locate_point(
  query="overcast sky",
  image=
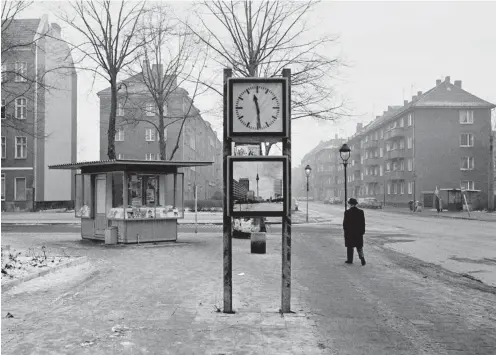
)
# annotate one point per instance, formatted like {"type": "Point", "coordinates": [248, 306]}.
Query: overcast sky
{"type": "Point", "coordinates": [392, 50]}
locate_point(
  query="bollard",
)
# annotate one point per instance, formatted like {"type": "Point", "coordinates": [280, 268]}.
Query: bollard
{"type": "Point", "coordinates": [258, 242]}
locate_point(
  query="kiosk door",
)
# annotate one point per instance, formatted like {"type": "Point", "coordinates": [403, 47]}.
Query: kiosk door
{"type": "Point", "coordinates": [100, 198]}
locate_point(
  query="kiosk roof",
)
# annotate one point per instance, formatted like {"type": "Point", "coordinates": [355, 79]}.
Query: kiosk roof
{"type": "Point", "coordinates": [129, 164]}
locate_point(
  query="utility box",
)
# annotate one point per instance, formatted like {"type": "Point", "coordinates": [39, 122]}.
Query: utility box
{"type": "Point", "coordinates": [258, 242]}
{"type": "Point", "coordinates": [111, 235]}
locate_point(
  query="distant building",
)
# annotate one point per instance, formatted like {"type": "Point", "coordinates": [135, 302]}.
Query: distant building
{"type": "Point", "coordinates": [39, 115]}
{"type": "Point", "coordinates": [245, 182]}
{"type": "Point", "coordinates": [139, 140]}
{"type": "Point", "coordinates": [277, 188]}
{"type": "Point", "coordinates": [441, 138]}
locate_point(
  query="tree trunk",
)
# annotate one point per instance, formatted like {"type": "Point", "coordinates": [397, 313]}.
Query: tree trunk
{"type": "Point", "coordinates": [111, 125]}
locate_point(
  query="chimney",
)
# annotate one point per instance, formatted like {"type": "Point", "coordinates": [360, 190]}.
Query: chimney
{"type": "Point", "coordinates": [359, 126]}
{"type": "Point", "coordinates": [458, 83]}
{"type": "Point", "coordinates": [56, 28]}
{"type": "Point", "coordinates": [405, 102]}
{"type": "Point", "coordinates": [419, 93]}
{"type": "Point", "coordinates": [447, 79]}
{"type": "Point", "coordinates": [376, 117]}
{"type": "Point", "coordinates": [414, 97]}
{"type": "Point", "coordinates": [438, 81]}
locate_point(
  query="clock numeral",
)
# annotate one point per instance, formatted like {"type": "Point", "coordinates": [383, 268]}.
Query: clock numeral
{"type": "Point", "coordinates": [266, 91]}
{"type": "Point", "coordinates": [240, 117]}
{"type": "Point", "coordinates": [267, 124]}
{"type": "Point", "coordinates": [248, 91]}
{"type": "Point", "coordinates": [273, 107]}
{"type": "Point", "coordinates": [240, 98]}
{"type": "Point", "coordinates": [257, 89]}
{"type": "Point", "coordinates": [274, 117]}
{"type": "Point", "coordinates": [274, 98]}
{"type": "Point", "coordinates": [248, 124]}
{"type": "Point", "coordinates": [240, 108]}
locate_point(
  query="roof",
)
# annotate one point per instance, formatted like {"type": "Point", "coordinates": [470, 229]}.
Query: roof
{"type": "Point", "coordinates": [20, 32]}
{"type": "Point", "coordinates": [129, 165]}
{"type": "Point", "coordinates": [135, 85]}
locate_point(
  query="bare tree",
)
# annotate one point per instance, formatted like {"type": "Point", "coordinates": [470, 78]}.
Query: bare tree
{"type": "Point", "coordinates": [261, 38]}
{"type": "Point", "coordinates": [177, 59]}
{"type": "Point", "coordinates": [109, 29]}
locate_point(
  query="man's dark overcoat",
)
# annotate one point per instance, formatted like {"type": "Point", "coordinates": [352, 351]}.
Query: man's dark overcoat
{"type": "Point", "coordinates": [354, 227]}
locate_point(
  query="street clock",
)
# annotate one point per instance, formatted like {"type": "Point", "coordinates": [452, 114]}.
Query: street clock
{"type": "Point", "coordinates": [258, 107]}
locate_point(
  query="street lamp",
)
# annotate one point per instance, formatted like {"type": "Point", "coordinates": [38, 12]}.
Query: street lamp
{"type": "Point", "coordinates": [308, 170]}
{"type": "Point", "coordinates": [345, 152]}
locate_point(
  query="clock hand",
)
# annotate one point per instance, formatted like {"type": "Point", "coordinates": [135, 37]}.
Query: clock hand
{"type": "Point", "coordinates": [259, 125]}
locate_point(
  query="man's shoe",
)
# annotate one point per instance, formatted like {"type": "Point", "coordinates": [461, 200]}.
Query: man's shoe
{"type": "Point", "coordinates": [363, 261]}
{"type": "Point", "coordinates": [348, 262]}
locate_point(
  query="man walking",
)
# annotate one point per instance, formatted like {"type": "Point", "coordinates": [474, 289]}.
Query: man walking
{"type": "Point", "coordinates": [354, 229]}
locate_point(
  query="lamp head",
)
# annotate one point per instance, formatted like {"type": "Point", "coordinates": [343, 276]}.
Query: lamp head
{"type": "Point", "coordinates": [344, 152]}
{"type": "Point", "coordinates": [308, 170]}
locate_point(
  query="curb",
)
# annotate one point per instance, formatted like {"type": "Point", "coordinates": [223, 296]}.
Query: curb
{"type": "Point", "coordinates": [443, 216]}
{"type": "Point", "coordinates": [8, 285]}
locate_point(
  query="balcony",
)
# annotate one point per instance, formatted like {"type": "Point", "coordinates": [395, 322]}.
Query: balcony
{"type": "Point", "coordinates": [373, 161]}
{"type": "Point", "coordinates": [395, 132]}
{"type": "Point", "coordinates": [372, 178]}
{"type": "Point", "coordinates": [396, 175]}
{"type": "Point", "coordinates": [394, 154]}
{"type": "Point", "coordinates": [371, 144]}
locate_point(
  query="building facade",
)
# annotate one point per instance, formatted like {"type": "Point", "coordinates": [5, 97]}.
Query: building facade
{"type": "Point", "coordinates": [187, 135]}
{"type": "Point", "coordinates": [439, 141]}
{"type": "Point", "coordinates": [39, 115]}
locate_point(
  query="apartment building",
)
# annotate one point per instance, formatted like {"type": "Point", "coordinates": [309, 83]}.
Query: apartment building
{"type": "Point", "coordinates": [326, 164]}
{"type": "Point", "coordinates": [137, 137]}
{"type": "Point", "coordinates": [437, 142]}
{"type": "Point", "coordinates": [39, 115]}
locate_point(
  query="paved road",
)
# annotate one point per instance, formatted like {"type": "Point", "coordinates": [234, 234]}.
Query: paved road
{"type": "Point", "coordinates": [394, 305]}
{"type": "Point", "coordinates": [462, 246]}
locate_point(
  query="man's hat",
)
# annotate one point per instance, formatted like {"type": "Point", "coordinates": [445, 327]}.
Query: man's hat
{"type": "Point", "coordinates": [352, 201]}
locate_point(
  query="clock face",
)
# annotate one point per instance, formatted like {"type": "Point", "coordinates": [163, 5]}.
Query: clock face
{"type": "Point", "coordinates": [257, 107]}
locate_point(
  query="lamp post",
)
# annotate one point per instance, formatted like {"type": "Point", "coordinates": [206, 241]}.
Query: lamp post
{"type": "Point", "coordinates": [345, 152]}
{"type": "Point", "coordinates": [308, 170]}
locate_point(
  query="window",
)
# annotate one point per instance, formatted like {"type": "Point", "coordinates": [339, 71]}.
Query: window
{"type": "Point", "coordinates": [410, 143]}
{"type": "Point", "coordinates": [402, 165]}
{"type": "Point", "coordinates": [21, 147]}
{"type": "Point", "coordinates": [20, 108]}
{"type": "Point", "coordinates": [3, 108]}
{"type": "Point", "coordinates": [381, 152]}
{"type": "Point", "coordinates": [402, 188]}
{"type": "Point", "coordinates": [410, 164]}
{"type": "Point", "coordinates": [3, 187]}
{"type": "Point", "coordinates": [389, 188]}
{"type": "Point", "coordinates": [410, 187]}
{"type": "Point", "coordinates": [150, 109]}
{"type": "Point", "coordinates": [150, 134]}
{"type": "Point", "coordinates": [20, 70]}
{"type": "Point", "coordinates": [381, 168]}
{"type": "Point", "coordinates": [410, 119]}
{"type": "Point", "coordinates": [402, 122]}
{"type": "Point", "coordinates": [395, 188]}
{"type": "Point", "coordinates": [468, 185]}
{"type": "Point", "coordinates": [388, 166]}
{"type": "Point", "coordinates": [402, 144]}
{"type": "Point", "coordinates": [466, 117]}
{"type": "Point", "coordinates": [466, 140]}
{"type": "Point", "coordinates": [4, 147]}
{"type": "Point", "coordinates": [388, 147]}
{"type": "Point", "coordinates": [150, 156]}
{"type": "Point", "coordinates": [382, 133]}
{"type": "Point", "coordinates": [20, 189]}
{"type": "Point", "coordinates": [467, 163]}
{"type": "Point", "coordinates": [119, 134]}
{"type": "Point", "coordinates": [120, 108]}
{"type": "Point", "coordinates": [366, 139]}
{"type": "Point", "coordinates": [120, 156]}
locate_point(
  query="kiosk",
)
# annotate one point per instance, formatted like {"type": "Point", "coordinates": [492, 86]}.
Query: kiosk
{"type": "Point", "coordinates": [140, 200]}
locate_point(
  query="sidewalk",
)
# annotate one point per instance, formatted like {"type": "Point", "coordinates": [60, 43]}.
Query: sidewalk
{"type": "Point", "coordinates": [474, 215]}
{"type": "Point", "coordinates": [157, 299]}
{"type": "Point", "coordinates": [189, 218]}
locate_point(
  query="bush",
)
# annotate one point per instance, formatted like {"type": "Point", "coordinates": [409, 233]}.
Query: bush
{"type": "Point", "coordinates": [204, 205]}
